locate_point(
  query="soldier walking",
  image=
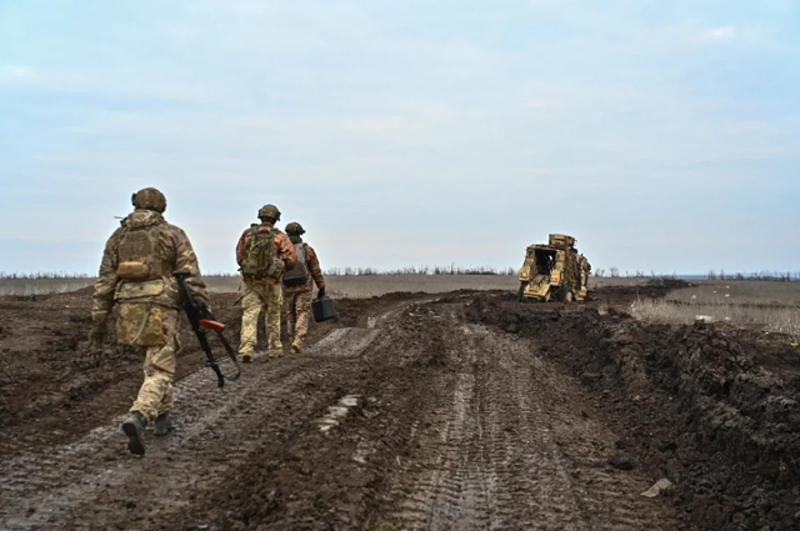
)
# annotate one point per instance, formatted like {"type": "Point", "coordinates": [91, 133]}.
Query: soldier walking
{"type": "Point", "coordinates": [263, 254]}
{"type": "Point", "coordinates": [136, 273]}
{"type": "Point", "coordinates": [297, 286]}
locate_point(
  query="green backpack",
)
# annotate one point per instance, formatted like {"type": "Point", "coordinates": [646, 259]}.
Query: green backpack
{"type": "Point", "coordinates": [260, 258]}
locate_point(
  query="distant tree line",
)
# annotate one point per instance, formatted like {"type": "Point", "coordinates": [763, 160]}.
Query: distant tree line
{"type": "Point", "coordinates": [613, 272]}
{"type": "Point", "coordinates": [764, 275]}
{"type": "Point", "coordinates": [451, 270]}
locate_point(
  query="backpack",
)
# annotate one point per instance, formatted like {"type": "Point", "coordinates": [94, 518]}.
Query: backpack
{"type": "Point", "coordinates": [298, 274]}
{"type": "Point", "coordinates": [137, 252]}
{"type": "Point", "coordinates": [260, 258]}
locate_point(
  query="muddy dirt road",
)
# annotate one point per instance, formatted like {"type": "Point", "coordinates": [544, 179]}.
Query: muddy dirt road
{"type": "Point", "coordinates": [412, 411]}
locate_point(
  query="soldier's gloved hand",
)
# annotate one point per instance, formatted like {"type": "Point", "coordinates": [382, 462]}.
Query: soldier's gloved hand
{"type": "Point", "coordinates": [203, 306]}
{"type": "Point", "coordinates": [98, 333]}
{"type": "Point", "coordinates": [321, 293]}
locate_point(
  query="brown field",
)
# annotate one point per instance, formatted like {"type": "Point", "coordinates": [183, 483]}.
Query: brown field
{"type": "Point", "coordinates": [412, 410]}
{"type": "Point", "coordinates": [341, 286]}
{"type": "Point", "coordinates": [772, 293]}
{"type": "Point", "coordinates": [337, 286]}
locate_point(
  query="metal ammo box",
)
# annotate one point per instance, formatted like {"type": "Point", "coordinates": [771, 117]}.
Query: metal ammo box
{"type": "Point", "coordinates": [323, 309]}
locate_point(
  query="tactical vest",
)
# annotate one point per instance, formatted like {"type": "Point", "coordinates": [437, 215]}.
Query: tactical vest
{"type": "Point", "coordinates": [260, 259]}
{"type": "Point", "coordinates": [298, 274]}
{"type": "Point", "coordinates": [141, 255]}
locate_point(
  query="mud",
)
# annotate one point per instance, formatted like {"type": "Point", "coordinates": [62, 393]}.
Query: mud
{"type": "Point", "coordinates": [411, 411]}
{"type": "Point", "coordinates": [712, 409]}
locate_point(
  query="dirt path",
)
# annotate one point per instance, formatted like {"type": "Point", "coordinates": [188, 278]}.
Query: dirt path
{"type": "Point", "coordinates": [507, 442]}
{"type": "Point", "coordinates": [464, 411]}
{"type": "Point", "coordinates": [94, 483]}
{"type": "Point", "coordinates": [511, 446]}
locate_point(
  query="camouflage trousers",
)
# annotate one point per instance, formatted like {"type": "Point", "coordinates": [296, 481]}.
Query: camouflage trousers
{"type": "Point", "coordinates": [155, 395]}
{"type": "Point", "coordinates": [255, 297]}
{"type": "Point", "coordinates": [296, 312]}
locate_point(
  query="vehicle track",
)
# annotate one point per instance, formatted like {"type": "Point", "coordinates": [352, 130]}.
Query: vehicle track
{"type": "Point", "coordinates": [513, 446]}
{"type": "Point", "coordinates": [95, 483]}
{"type": "Point", "coordinates": [472, 429]}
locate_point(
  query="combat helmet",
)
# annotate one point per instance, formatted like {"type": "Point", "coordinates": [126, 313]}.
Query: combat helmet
{"type": "Point", "coordinates": [149, 198]}
{"type": "Point", "coordinates": [294, 228]}
{"type": "Point", "coordinates": [269, 211]}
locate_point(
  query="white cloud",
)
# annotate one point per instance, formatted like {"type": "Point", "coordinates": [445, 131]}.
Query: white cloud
{"type": "Point", "coordinates": [722, 34]}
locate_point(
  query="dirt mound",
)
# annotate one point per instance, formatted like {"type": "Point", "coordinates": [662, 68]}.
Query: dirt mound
{"type": "Point", "coordinates": [716, 416]}
{"type": "Point", "coordinates": [669, 283]}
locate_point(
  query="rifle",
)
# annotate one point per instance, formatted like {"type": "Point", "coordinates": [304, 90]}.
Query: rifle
{"type": "Point", "coordinates": [201, 320]}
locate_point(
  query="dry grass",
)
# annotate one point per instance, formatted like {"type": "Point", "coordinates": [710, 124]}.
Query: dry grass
{"type": "Point", "coordinates": [377, 285]}
{"type": "Point", "coordinates": [337, 286]}
{"type": "Point", "coordinates": [28, 286]}
{"type": "Point", "coordinates": [781, 320]}
{"type": "Point", "coordinates": [740, 292]}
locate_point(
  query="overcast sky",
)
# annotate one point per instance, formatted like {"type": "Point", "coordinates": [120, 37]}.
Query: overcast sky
{"type": "Point", "coordinates": [663, 135]}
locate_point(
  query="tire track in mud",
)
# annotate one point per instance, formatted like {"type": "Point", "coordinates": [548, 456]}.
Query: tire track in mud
{"type": "Point", "coordinates": [510, 448]}
{"type": "Point", "coordinates": [95, 483]}
{"type": "Point", "coordinates": [471, 430]}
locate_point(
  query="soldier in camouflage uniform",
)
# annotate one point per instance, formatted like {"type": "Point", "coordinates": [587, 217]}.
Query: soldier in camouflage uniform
{"type": "Point", "coordinates": [297, 286]}
{"type": "Point", "coordinates": [586, 271]}
{"type": "Point", "coordinates": [136, 273]}
{"type": "Point", "coordinates": [260, 291]}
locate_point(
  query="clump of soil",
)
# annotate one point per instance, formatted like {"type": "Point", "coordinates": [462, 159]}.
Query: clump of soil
{"type": "Point", "coordinates": [717, 415]}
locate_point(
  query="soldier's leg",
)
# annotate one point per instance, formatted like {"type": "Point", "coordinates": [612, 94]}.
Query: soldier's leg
{"type": "Point", "coordinates": [155, 394]}
{"type": "Point", "coordinates": [288, 312]}
{"type": "Point", "coordinates": [274, 303]}
{"type": "Point", "coordinates": [303, 310]}
{"type": "Point", "coordinates": [251, 308]}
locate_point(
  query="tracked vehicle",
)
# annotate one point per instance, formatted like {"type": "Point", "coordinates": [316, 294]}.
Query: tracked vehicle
{"type": "Point", "coordinates": [555, 271]}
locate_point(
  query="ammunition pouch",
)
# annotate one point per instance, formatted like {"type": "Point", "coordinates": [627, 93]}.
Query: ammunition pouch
{"type": "Point", "coordinates": [134, 271]}
{"type": "Point", "coordinates": [277, 268]}
{"type": "Point", "coordinates": [138, 290]}
{"type": "Point", "coordinates": [141, 324]}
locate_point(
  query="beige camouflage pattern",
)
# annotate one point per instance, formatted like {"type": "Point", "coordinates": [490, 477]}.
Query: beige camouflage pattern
{"type": "Point", "coordinates": [283, 248]}
{"type": "Point", "coordinates": [148, 308]}
{"type": "Point", "coordinates": [296, 314]}
{"type": "Point", "coordinates": [142, 324]}
{"type": "Point", "coordinates": [155, 395]}
{"type": "Point", "coordinates": [586, 270]}
{"type": "Point", "coordinates": [297, 300]}
{"type": "Point", "coordinates": [150, 198]}
{"type": "Point", "coordinates": [254, 297]}
{"type": "Point", "coordinates": [173, 252]}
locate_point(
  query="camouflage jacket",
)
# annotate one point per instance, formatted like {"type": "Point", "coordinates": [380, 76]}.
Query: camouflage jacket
{"type": "Point", "coordinates": [283, 247]}
{"type": "Point", "coordinates": [173, 251]}
{"type": "Point", "coordinates": [314, 270]}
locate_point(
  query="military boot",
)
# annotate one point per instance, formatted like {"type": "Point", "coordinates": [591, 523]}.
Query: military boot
{"type": "Point", "coordinates": [134, 429]}
{"type": "Point", "coordinates": [163, 425]}
{"type": "Point", "coordinates": [247, 357]}
{"type": "Point", "coordinates": [276, 351]}
{"type": "Point", "coordinates": [297, 346]}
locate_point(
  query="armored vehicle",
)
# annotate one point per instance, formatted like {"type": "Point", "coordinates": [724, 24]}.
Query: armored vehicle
{"type": "Point", "coordinates": [554, 271]}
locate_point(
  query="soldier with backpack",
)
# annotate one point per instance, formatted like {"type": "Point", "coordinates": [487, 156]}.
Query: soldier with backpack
{"type": "Point", "coordinates": [297, 286]}
{"type": "Point", "coordinates": [263, 254]}
{"type": "Point", "coordinates": [136, 274]}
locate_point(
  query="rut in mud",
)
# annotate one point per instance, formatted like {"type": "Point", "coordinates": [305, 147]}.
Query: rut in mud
{"type": "Point", "coordinates": [464, 411]}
